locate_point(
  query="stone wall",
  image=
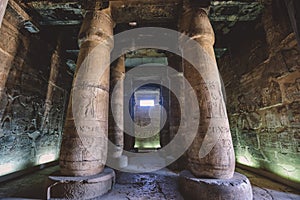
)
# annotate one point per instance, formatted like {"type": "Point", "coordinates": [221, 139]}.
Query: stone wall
{"type": "Point", "coordinates": [33, 90]}
{"type": "Point", "coordinates": [261, 73]}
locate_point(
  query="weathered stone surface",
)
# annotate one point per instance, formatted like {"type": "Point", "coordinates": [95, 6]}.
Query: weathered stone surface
{"type": "Point", "coordinates": [162, 185]}
{"type": "Point", "coordinates": [176, 104]}
{"type": "Point", "coordinates": [211, 153]}
{"type": "Point", "coordinates": [120, 162]}
{"type": "Point", "coordinates": [236, 188]}
{"type": "Point", "coordinates": [83, 187]}
{"type": "Point", "coordinates": [84, 144]}
{"type": "Point", "coordinates": [116, 118]}
{"type": "Point", "coordinates": [264, 108]}
{"type": "Point", "coordinates": [33, 91]}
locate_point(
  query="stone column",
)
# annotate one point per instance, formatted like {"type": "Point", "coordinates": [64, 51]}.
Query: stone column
{"type": "Point", "coordinates": [215, 159]}
{"type": "Point", "coordinates": [211, 154]}
{"type": "Point", "coordinates": [116, 125]}
{"type": "Point", "coordinates": [84, 142]}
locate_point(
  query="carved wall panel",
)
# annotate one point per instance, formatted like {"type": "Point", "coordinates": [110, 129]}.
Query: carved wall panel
{"type": "Point", "coordinates": [30, 119]}
{"type": "Point", "coordinates": [264, 110]}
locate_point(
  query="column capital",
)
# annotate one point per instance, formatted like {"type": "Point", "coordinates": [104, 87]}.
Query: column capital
{"type": "Point", "coordinates": [194, 23]}
{"type": "Point", "coordinates": [90, 5]}
{"type": "Point", "coordinates": [189, 5]}
{"type": "Point", "coordinates": [97, 26]}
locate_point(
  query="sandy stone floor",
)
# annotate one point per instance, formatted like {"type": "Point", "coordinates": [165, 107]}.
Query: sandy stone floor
{"type": "Point", "coordinates": [158, 185]}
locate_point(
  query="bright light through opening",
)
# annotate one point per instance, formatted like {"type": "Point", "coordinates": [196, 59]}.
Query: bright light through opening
{"type": "Point", "coordinates": [148, 102]}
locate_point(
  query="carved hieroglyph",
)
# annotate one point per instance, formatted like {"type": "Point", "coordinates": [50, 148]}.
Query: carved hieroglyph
{"type": "Point", "coordinates": [84, 142]}
{"type": "Point", "coordinates": [116, 120]}
{"type": "Point", "coordinates": [216, 157]}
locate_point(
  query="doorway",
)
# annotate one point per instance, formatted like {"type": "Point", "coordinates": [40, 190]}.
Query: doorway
{"type": "Point", "coordinates": [147, 117]}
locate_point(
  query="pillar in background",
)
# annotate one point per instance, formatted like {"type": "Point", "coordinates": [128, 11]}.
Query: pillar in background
{"type": "Point", "coordinates": [175, 104]}
{"type": "Point", "coordinates": [84, 144]}
{"type": "Point", "coordinates": [116, 121]}
{"type": "Point", "coordinates": [165, 129]}
{"type": "Point", "coordinates": [175, 62]}
{"type": "Point", "coordinates": [217, 160]}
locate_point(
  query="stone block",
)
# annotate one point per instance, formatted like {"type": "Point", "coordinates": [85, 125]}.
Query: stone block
{"type": "Point", "coordinates": [80, 187]}
{"type": "Point", "coordinates": [236, 188]}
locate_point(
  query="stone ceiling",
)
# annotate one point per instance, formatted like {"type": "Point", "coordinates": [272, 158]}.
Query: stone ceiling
{"type": "Point", "coordinates": [224, 15]}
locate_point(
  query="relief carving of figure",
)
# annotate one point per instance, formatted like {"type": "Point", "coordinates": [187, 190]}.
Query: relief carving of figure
{"type": "Point", "coordinates": [297, 89]}
{"type": "Point", "coordinates": [243, 122]}
{"type": "Point", "coordinates": [36, 114]}
{"type": "Point", "coordinates": [293, 90]}
{"type": "Point", "coordinates": [56, 118]}
{"type": "Point", "coordinates": [275, 93]}
{"type": "Point", "coordinates": [271, 95]}
{"type": "Point", "coordinates": [295, 114]}
{"type": "Point", "coordinates": [88, 108]}
{"type": "Point", "coordinates": [214, 103]}
{"type": "Point", "coordinates": [12, 95]}
{"type": "Point", "coordinates": [217, 104]}
{"type": "Point", "coordinates": [271, 120]}
{"type": "Point", "coordinates": [265, 97]}
{"type": "Point", "coordinates": [248, 117]}
{"type": "Point", "coordinates": [284, 117]}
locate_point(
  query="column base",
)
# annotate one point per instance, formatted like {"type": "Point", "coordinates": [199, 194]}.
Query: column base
{"type": "Point", "coordinates": [236, 188]}
{"type": "Point", "coordinates": [80, 187]}
{"type": "Point", "coordinates": [178, 165]}
{"type": "Point", "coordinates": [121, 162]}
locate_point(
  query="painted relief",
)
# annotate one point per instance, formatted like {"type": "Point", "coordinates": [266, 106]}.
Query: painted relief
{"type": "Point", "coordinates": [12, 96]}
{"type": "Point", "coordinates": [265, 123]}
{"type": "Point", "coordinates": [248, 116]}
{"type": "Point", "coordinates": [293, 90]}
{"type": "Point", "coordinates": [295, 114]}
{"type": "Point", "coordinates": [28, 131]}
{"type": "Point", "coordinates": [271, 94]}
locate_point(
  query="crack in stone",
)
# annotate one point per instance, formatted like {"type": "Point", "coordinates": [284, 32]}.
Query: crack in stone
{"type": "Point", "coordinates": [160, 190]}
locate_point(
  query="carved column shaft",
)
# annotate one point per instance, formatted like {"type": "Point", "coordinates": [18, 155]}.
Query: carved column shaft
{"type": "Point", "coordinates": [215, 158]}
{"type": "Point", "coordinates": [116, 120]}
{"type": "Point", "coordinates": [84, 142]}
